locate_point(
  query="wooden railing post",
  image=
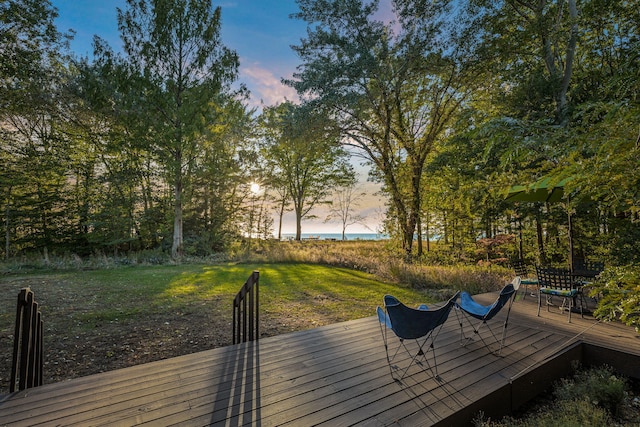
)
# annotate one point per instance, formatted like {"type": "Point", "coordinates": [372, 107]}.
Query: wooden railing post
{"type": "Point", "coordinates": [28, 352]}
{"type": "Point", "coordinates": [246, 317]}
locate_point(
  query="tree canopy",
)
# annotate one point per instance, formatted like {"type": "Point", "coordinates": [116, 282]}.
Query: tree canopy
{"type": "Point", "coordinates": [302, 155]}
{"type": "Point", "coordinates": [174, 50]}
{"type": "Point", "coordinates": [153, 147]}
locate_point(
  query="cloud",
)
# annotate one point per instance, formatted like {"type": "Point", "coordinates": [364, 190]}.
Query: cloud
{"type": "Point", "coordinates": [387, 15]}
{"type": "Point", "coordinates": [265, 86]}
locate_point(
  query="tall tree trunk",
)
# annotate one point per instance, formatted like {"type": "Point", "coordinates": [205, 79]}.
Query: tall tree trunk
{"type": "Point", "coordinates": [419, 228]}
{"type": "Point", "coordinates": [520, 244]}
{"type": "Point", "coordinates": [298, 225]}
{"type": "Point", "coordinates": [177, 247]}
{"type": "Point", "coordinates": [7, 225]}
{"type": "Point", "coordinates": [549, 57]}
{"type": "Point", "coordinates": [280, 215]}
{"type": "Point", "coordinates": [428, 233]}
{"type": "Point", "coordinates": [568, 69]}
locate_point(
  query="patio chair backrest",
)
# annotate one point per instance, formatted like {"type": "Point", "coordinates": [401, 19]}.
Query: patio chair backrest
{"type": "Point", "coordinates": [587, 268]}
{"type": "Point", "coordinates": [555, 278]}
{"type": "Point", "coordinates": [409, 323]}
{"type": "Point", "coordinates": [520, 268]}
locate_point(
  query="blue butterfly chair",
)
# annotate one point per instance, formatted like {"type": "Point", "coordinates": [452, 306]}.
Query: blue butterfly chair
{"type": "Point", "coordinates": [416, 331]}
{"type": "Point", "coordinates": [485, 313]}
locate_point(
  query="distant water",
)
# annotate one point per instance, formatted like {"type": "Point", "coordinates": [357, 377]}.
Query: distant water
{"type": "Point", "coordinates": [336, 236]}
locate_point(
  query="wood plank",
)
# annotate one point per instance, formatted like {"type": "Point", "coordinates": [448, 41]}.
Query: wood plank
{"type": "Point", "coordinates": [332, 375]}
{"type": "Point", "coordinates": [150, 377]}
{"type": "Point", "coordinates": [459, 377]}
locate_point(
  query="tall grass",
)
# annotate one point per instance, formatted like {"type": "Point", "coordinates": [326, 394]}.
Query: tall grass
{"type": "Point", "coordinates": [386, 262]}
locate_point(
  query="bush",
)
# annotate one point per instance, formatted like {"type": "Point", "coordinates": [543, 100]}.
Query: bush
{"type": "Point", "coordinates": [567, 413]}
{"type": "Point", "coordinates": [618, 293]}
{"type": "Point", "coordinates": [598, 386]}
{"type": "Point", "coordinates": [592, 397]}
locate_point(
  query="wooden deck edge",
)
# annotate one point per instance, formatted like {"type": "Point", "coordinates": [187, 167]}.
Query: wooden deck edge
{"type": "Point", "coordinates": [622, 362]}
{"type": "Point", "coordinates": [523, 388]}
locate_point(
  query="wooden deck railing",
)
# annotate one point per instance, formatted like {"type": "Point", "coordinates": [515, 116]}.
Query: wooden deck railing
{"type": "Point", "coordinates": [245, 311]}
{"type": "Point", "coordinates": [26, 368]}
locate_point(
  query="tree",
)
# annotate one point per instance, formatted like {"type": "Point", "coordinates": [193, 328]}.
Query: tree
{"type": "Point", "coordinates": [394, 95]}
{"type": "Point", "coordinates": [28, 37]}
{"type": "Point", "coordinates": [568, 105]}
{"type": "Point", "coordinates": [301, 151]}
{"type": "Point", "coordinates": [344, 201]}
{"type": "Point", "coordinates": [220, 173]}
{"type": "Point", "coordinates": [280, 199]}
{"type": "Point", "coordinates": [174, 49]}
{"type": "Point", "coordinates": [126, 213]}
{"type": "Point", "coordinates": [34, 153]}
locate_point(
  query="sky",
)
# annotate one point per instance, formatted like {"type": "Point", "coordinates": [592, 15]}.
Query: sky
{"type": "Point", "coordinates": [261, 32]}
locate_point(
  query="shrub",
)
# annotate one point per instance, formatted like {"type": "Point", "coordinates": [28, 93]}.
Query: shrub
{"type": "Point", "coordinates": [592, 397]}
{"type": "Point", "coordinates": [567, 413]}
{"type": "Point", "coordinates": [618, 293]}
{"type": "Point", "coordinates": [598, 386]}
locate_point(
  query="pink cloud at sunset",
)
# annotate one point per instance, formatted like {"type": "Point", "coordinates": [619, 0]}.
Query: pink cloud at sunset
{"type": "Point", "coordinates": [266, 88]}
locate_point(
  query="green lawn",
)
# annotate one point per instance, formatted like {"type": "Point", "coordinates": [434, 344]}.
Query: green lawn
{"type": "Point", "coordinates": [129, 293]}
{"type": "Point", "coordinates": [98, 320]}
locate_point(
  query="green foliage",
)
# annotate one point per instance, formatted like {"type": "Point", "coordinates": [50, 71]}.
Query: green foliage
{"type": "Point", "coordinates": [34, 152]}
{"type": "Point", "coordinates": [570, 413]}
{"type": "Point", "coordinates": [593, 397]}
{"type": "Point", "coordinates": [178, 69]}
{"type": "Point", "coordinates": [112, 156]}
{"type": "Point", "coordinates": [394, 88]}
{"type": "Point", "coordinates": [618, 292]}
{"type": "Point", "coordinates": [302, 155]}
{"type": "Point", "coordinates": [598, 386]}
{"type": "Point", "coordinates": [29, 38]}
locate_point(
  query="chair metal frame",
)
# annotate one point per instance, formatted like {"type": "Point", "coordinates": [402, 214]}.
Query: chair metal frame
{"type": "Point", "coordinates": [484, 313]}
{"type": "Point", "coordinates": [416, 331]}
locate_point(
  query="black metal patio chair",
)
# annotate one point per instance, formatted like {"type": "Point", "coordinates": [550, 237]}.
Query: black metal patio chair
{"type": "Point", "coordinates": [558, 282]}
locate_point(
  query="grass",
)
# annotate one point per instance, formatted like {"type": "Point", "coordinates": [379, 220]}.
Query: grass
{"type": "Point", "coordinates": [131, 292]}
{"type": "Point", "coordinates": [134, 291]}
{"type": "Point", "coordinates": [106, 313]}
{"type": "Point", "coordinates": [386, 262]}
{"type": "Point", "coordinates": [105, 319]}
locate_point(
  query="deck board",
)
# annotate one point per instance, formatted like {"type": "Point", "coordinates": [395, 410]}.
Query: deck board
{"type": "Point", "coordinates": [333, 375]}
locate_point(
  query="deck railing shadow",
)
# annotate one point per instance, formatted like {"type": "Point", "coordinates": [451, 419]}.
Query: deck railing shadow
{"type": "Point", "coordinates": [241, 371]}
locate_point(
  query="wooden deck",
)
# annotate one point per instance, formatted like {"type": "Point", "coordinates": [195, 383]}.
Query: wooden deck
{"type": "Point", "coordinates": [334, 375]}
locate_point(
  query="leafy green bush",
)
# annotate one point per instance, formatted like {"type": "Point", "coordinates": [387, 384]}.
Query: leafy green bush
{"type": "Point", "coordinates": [618, 292]}
{"type": "Point", "coordinates": [567, 413]}
{"type": "Point", "coordinates": [599, 386]}
{"type": "Point", "coordinates": [592, 397]}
